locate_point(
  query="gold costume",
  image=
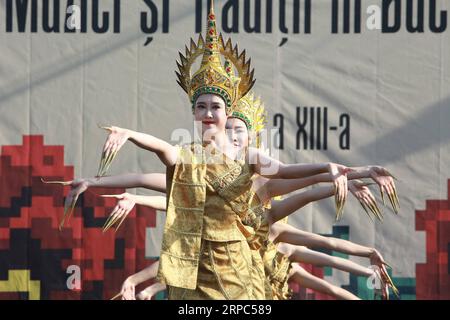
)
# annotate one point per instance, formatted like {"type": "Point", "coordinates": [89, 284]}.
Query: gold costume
{"type": "Point", "coordinates": [211, 209]}
{"type": "Point", "coordinates": [276, 267]}
{"type": "Point", "coordinates": [205, 254]}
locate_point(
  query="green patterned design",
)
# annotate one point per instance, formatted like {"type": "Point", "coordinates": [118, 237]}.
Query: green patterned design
{"type": "Point", "coordinates": [212, 90]}
{"type": "Point", "coordinates": [244, 118]}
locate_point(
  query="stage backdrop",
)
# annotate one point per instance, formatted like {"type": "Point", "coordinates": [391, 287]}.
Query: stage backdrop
{"type": "Point", "coordinates": [348, 81]}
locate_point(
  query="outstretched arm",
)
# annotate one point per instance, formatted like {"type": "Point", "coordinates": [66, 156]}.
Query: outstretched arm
{"type": "Point", "coordinates": [307, 280]}
{"type": "Point", "coordinates": [293, 242]}
{"type": "Point", "coordinates": [383, 178]}
{"type": "Point", "coordinates": [165, 151]}
{"type": "Point", "coordinates": [281, 209]}
{"type": "Point", "coordinates": [285, 207]}
{"type": "Point", "coordinates": [155, 202]}
{"type": "Point", "coordinates": [152, 181]}
{"type": "Point", "coordinates": [126, 204]}
{"type": "Point", "coordinates": [305, 255]}
{"type": "Point", "coordinates": [278, 187]}
{"type": "Point", "coordinates": [129, 285]}
{"type": "Point", "coordinates": [283, 232]}
{"type": "Point", "coordinates": [117, 138]}
{"type": "Point", "coordinates": [267, 166]}
{"type": "Point", "coordinates": [149, 292]}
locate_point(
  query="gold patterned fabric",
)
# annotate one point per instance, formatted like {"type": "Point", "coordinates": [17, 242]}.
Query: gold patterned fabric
{"type": "Point", "coordinates": [227, 270]}
{"type": "Point", "coordinates": [180, 249]}
{"type": "Point", "coordinates": [276, 265]}
{"type": "Point", "coordinates": [205, 254]}
{"type": "Point", "coordinates": [230, 197]}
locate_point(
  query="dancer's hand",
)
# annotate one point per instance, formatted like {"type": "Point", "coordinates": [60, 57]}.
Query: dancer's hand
{"type": "Point", "coordinates": [149, 292]}
{"type": "Point", "coordinates": [78, 186]}
{"type": "Point", "coordinates": [382, 290]}
{"type": "Point", "coordinates": [380, 270]}
{"type": "Point", "coordinates": [339, 176]}
{"type": "Point", "coordinates": [376, 259]}
{"type": "Point", "coordinates": [128, 289]}
{"type": "Point", "coordinates": [115, 140]}
{"type": "Point", "coordinates": [385, 181]}
{"type": "Point", "coordinates": [359, 189]}
{"type": "Point", "coordinates": [123, 207]}
{"type": "Point", "coordinates": [146, 294]}
{"type": "Point", "coordinates": [385, 282]}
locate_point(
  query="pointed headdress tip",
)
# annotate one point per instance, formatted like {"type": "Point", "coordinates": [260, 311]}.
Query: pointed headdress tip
{"type": "Point", "coordinates": [213, 77]}
{"type": "Point", "coordinates": [211, 9]}
{"type": "Point", "coordinates": [251, 110]}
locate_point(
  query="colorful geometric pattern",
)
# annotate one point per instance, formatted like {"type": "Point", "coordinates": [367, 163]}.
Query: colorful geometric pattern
{"type": "Point", "coordinates": [35, 255]}
{"type": "Point", "coordinates": [358, 284]}
{"type": "Point", "coordinates": [406, 286]}
{"type": "Point", "coordinates": [19, 282]}
{"type": "Point", "coordinates": [433, 276]}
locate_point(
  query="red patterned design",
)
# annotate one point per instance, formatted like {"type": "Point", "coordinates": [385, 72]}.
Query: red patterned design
{"type": "Point", "coordinates": [433, 276]}
{"type": "Point", "coordinates": [30, 212]}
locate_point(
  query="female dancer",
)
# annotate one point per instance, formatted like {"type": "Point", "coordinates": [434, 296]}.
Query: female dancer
{"type": "Point", "coordinates": [205, 253]}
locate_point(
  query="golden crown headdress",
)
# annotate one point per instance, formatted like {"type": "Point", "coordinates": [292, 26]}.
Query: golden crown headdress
{"type": "Point", "coordinates": [212, 77]}
{"type": "Point", "coordinates": [250, 109]}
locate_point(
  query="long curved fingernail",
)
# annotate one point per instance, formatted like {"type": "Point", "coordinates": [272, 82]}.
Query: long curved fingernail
{"type": "Point", "coordinates": [102, 161]}
{"type": "Point", "coordinates": [382, 196]}
{"type": "Point", "coordinates": [64, 183]}
{"type": "Point", "coordinates": [110, 159]}
{"type": "Point", "coordinates": [374, 211]}
{"type": "Point", "coordinates": [396, 197]}
{"type": "Point", "coordinates": [121, 221]}
{"type": "Point", "coordinates": [105, 224]}
{"type": "Point", "coordinates": [109, 222]}
{"type": "Point", "coordinates": [116, 296]}
{"type": "Point", "coordinates": [365, 209]}
{"type": "Point", "coordinates": [391, 199]}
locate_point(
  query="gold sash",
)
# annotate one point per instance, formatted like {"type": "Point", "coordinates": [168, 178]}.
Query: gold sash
{"type": "Point", "coordinates": [211, 201]}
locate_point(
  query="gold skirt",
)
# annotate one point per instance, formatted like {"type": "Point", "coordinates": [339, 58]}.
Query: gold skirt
{"type": "Point", "coordinates": [277, 287]}
{"type": "Point", "coordinates": [227, 271]}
